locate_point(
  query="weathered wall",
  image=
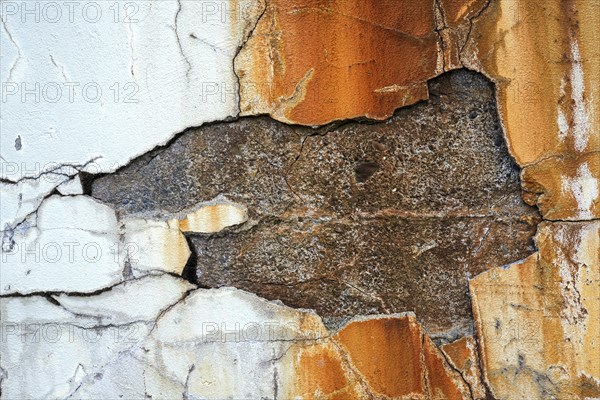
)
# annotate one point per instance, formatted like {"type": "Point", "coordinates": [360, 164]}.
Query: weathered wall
{"type": "Point", "coordinates": [373, 223]}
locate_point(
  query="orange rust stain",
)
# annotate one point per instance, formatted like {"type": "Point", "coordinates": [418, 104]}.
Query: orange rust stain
{"type": "Point", "coordinates": [443, 383]}
{"type": "Point", "coordinates": [387, 352]}
{"type": "Point", "coordinates": [364, 58]}
{"type": "Point", "coordinates": [396, 358]}
{"type": "Point", "coordinates": [541, 56]}
{"type": "Point", "coordinates": [319, 373]}
{"type": "Point", "coordinates": [462, 354]}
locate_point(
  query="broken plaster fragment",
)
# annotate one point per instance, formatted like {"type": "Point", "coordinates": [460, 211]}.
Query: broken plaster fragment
{"type": "Point", "coordinates": [214, 217]}
{"type": "Point", "coordinates": [71, 187]}
{"type": "Point", "coordinates": [312, 64]}
{"type": "Point", "coordinates": [78, 245]}
{"type": "Point", "coordinates": [154, 247]}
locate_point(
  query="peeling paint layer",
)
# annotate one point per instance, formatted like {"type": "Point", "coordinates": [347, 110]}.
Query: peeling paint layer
{"type": "Point", "coordinates": [315, 63]}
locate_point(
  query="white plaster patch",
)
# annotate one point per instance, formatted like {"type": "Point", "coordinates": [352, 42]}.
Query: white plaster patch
{"type": "Point", "coordinates": [563, 126]}
{"type": "Point", "coordinates": [74, 247]}
{"type": "Point", "coordinates": [584, 187]}
{"type": "Point", "coordinates": [138, 340]}
{"type": "Point", "coordinates": [581, 109]}
{"type": "Point", "coordinates": [111, 80]}
{"type": "Point", "coordinates": [154, 246]}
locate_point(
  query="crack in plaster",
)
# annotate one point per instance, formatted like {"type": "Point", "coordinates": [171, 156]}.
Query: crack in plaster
{"type": "Point", "coordinates": [19, 55]}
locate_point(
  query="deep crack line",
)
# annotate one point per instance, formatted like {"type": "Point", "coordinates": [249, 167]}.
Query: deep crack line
{"type": "Point", "coordinates": [237, 53]}
{"type": "Point", "coordinates": [19, 55]}
{"type": "Point", "coordinates": [178, 38]}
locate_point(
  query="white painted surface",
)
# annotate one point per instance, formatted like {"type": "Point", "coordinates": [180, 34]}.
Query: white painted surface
{"type": "Point", "coordinates": [77, 244]}
{"type": "Point", "coordinates": [137, 340]}
{"type": "Point", "coordinates": [73, 247]}
{"type": "Point", "coordinates": [103, 82]}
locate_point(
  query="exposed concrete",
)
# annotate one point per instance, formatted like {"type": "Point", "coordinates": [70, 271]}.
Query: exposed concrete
{"type": "Point", "coordinates": [351, 218]}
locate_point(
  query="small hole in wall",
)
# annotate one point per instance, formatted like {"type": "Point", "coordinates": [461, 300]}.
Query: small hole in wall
{"type": "Point", "coordinates": [189, 271]}
{"type": "Point", "coordinates": [87, 180]}
{"type": "Point", "coordinates": [364, 170]}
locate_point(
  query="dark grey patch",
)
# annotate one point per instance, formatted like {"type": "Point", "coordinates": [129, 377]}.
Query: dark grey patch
{"type": "Point", "coordinates": [365, 169]}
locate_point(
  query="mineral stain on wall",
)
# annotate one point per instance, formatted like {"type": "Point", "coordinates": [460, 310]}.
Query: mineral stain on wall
{"type": "Point", "coordinates": [351, 218]}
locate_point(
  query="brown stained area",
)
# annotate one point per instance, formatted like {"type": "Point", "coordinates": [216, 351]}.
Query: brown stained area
{"type": "Point", "coordinates": [387, 353]}
{"type": "Point", "coordinates": [364, 58]}
{"type": "Point", "coordinates": [311, 63]}
{"type": "Point", "coordinates": [350, 219]}
{"type": "Point", "coordinates": [395, 358]}
{"type": "Point", "coordinates": [537, 319]}
{"type": "Point", "coordinates": [319, 373]}
{"type": "Point", "coordinates": [462, 356]}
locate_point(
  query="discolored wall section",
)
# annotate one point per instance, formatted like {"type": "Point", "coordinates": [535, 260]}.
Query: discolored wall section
{"type": "Point", "coordinates": [352, 218]}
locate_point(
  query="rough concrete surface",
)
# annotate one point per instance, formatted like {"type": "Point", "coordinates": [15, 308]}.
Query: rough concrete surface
{"type": "Point", "coordinates": [353, 218]}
